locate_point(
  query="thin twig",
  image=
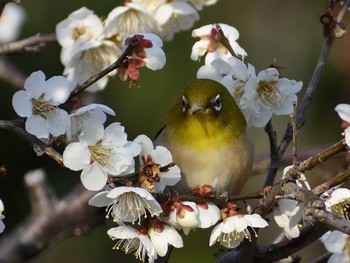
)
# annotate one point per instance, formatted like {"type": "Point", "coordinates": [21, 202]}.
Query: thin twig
{"type": "Point", "coordinates": [32, 44]}
{"type": "Point", "coordinates": [309, 94]}
{"type": "Point", "coordinates": [295, 134]}
{"type": "Point", "coordinates": [34, 141]}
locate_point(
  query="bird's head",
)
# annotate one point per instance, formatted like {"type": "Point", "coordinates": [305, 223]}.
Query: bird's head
{"type": "Point", "coordinates": [209, 104]}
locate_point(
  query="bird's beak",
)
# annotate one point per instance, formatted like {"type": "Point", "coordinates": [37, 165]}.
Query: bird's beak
{"type": "Point", "coordinates": [195, 108]}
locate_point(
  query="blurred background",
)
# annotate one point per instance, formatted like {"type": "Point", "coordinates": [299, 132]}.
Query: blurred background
{"type": "Point", "coordinates": [289, 31]}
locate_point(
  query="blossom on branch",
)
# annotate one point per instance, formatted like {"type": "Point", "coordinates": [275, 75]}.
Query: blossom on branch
{"type": "Point", "coordinates": [135, 241]}
{"type": "Point", "coordinates": [267, 94]}
{"type": "Point", "coordinates": [189, 215]}
{"type": "Point", "coordinates": [174, 16]}
{"type": "Point", "coordinates": [128, 19]}
{"type": "Point", "coordinates": [39, 101]}
{"type": "Point", "coordinates": [338, 202]}
{"type": "Point", "coordinates": [127, 204]}
{"type": "Point", "coordinates": [101, 152]}
{"type": "Point", "coordinates": [80, 114]}
{"type": "Point", "coordinates": [287, 214]}
{"type": "Point", "coordinates": [162, 235]}
{"type": "Point", "coordinates": [210, 43]}
{"type": "Point", "coordinates": [159, 156]}
{"type": "Point", "coordinates": [343, 111]}
{"type": "Point", "coordinates": [84, 51]}
{"type": "Point", "coordinates": [148, 53]}
{"type": "Point", "coordinates": [337, 243]}
{"type": "Point", "coordinates": [231, 232]}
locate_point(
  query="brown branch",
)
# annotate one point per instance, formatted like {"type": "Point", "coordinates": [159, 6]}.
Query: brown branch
{"type": "Point", "coordinates": [306, 102]}
{"type": "Point", "coordinates": [34, 141]}
{"type": "Point", "coordinates": [69, 216]}
{"type": "Point", "coordinates": [31, 44]}
{"type": "Point", "coordinates": [340, 178]}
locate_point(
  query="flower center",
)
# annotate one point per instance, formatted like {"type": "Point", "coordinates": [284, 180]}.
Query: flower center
{"type": "Point", "coordinates": [42, 107]}
{"type": "Point", "coordinates": [100, 154]}
{"type": "Point", "coordinates": [342, 209]}
{"type": "Point", "coordinates": [129, 207]}
{"type": "Point", "coordinates": [268, 92]}
{"type": "Point", "coordinates": [77, 32]}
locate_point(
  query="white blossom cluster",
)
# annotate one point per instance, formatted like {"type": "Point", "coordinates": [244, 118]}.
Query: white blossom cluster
{"type": "Point", "coordinates": [146, 225]}
{"type": "Point", "coordinates": [259, 96]}
{"type": "Point", "coordinates": [90, 44]}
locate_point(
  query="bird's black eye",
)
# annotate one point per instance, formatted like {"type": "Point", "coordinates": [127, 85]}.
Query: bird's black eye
{"type": "Point", "coordinates": [217, 105]}
{"type": "Point", "coordinates": [185, 104]}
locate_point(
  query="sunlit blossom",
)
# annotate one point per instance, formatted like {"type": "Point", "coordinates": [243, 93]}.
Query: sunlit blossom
{"type": "Point", "coordinates": [162, 235]}
{"type": "Point", "coordinates": [101, 152]}
{"type": "Point", "coordinates": [210, 43]}
{"type": "Point", "coordinates": [78, 28]}
{"type": "Point", "coordinates": [127, 204]}
{"type": "Point", "coordinates": [344, 112]}
{"type": "Point", "coordinates": [267, 94]}
{"type": "Point", "coordinates": [129, 19]}
{"type": "Point", "coordinates": [133, 241]}
{"type": "Point", "coordinates": [80, 114]}
{"type": "Point", "coordinates": [231, 232]}
{"type": "Point", "coordinates": [39, 101]}
{"type": "Point", "coordinates": [338, 202]}
{"type": "Point", "coordinates": [337, 243]}
{"type": "Point", "coordinates": [174, 16]}
{"type": "Point", "coordinates": [189, 215]}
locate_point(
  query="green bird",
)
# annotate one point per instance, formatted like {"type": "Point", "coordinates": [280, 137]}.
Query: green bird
{"type": "Point", "coordinates": [207, 136]}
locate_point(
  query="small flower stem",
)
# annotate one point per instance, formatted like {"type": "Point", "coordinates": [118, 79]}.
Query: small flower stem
{"type": "Point", "coordinates": [117, 64]}
{"type": "Point", "coordinates": [340, 178]}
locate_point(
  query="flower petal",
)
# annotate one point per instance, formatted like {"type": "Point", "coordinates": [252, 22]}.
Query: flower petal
{"type": "Point", "coordinates": [93, 177]}
{"type": "Point", "coordinates": [76, 156]}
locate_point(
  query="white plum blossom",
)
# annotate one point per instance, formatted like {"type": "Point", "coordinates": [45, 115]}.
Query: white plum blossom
{"type": "Point", "coordinates": [287, 214]}
{"type": "Point", "coordinates": [188, 215]}
{"type": "Point", "coordinates": [338, 202]}
{"type": "Point", "coordinates": [78, 117]}
{"type": "Point", "coordinates": [162, 235]}
{"type": "Point", "coordinates": [337, 243]}
{"type": "Point", "coordinates": [89, 59]}
{"type": "Point", "coordinates": [129, 19]}
{"type": "Point", "coordinates": [135, 241]}
{"type": "Point", "coordinates": [101, 152]}
{"type": "Point", "coordinates": [174, 16]}
{"type": "Point", "coordinates": [78, 28]}
{"type": "Point", "coordinates": [149, 53]}
{"type": "Point", "coordinates": [267, 94]}
{"type": "Point", "coordinates": [343, 111]}
{"type": "Point", "coordinates": [39, 101]}
{"type": "Point", "coordinates": [210, 43]}
{"type": "Point", "coordinates": [161, 156]}
{"type": "Point", "coordinates": [198, 4]}
{"type": "Point", "coordinates": [2, 225]}
{"type": "Point", "coordinates": [127, 204]}
{"type": "Point", "coordinates": [11, 20]}
{"type": "Point", "coordinates": [231, 232]}
{"type": "Point", "coordinates": [84, 52]}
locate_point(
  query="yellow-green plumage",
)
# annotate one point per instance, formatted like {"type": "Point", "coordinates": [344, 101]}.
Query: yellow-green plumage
{"type": "Point", "coordinates": [206, 133]}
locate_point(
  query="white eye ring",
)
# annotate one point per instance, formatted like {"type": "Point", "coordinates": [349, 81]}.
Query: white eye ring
{"type": "Point", "coordinates": [184, 104]}
{"type": "Point", "coordinates": [217, 103]}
